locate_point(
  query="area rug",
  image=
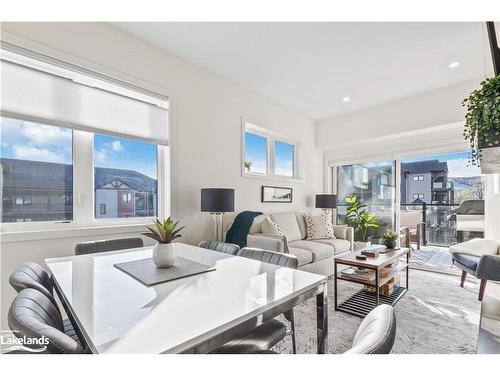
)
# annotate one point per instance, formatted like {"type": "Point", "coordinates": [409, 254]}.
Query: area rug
{"type": "Point", "coordinates": [435, 316]}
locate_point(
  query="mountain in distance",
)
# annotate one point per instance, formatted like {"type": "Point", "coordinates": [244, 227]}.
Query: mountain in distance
{"type": "Point", "coordinates": [463, 183]}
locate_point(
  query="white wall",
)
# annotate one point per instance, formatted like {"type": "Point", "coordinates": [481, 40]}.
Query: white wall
{"type": "Point", "coordinates": [205, 120]}
{"type": "Point", "coordinates": [419, 112]}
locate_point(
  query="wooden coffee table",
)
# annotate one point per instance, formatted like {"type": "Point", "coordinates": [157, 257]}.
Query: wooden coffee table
{"type": "Point", "coordinates": [361, 303]}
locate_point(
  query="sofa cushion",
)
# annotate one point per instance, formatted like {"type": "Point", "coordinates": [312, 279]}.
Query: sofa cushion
{"type": "Point", "coordinates": [319, 250]}
{"type": "Point", "coordinates": [319, 226]}
{"type": "Point", "coordinates": [256, 225]}
{"type": "Point", "coordinates": [288, 224]}
{"type": "Point", "coordinates": [270, 227]}
{"type": "Point", "coordinates": [303, 256]}
{"type": "Point", "coordinates": [301, 220]}
{"type": "Point", "coordinates": [469, 261]}
{"type": "Point", "coordinates": [341, 246]}
{"type": "Point", "coordinates": [340, 231]}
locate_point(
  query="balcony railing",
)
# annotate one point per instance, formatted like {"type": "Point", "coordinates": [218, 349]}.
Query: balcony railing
{"type": "Point", "coordinates": [439, 229]}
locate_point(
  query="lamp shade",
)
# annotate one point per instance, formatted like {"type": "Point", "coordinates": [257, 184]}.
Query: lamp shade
{"type": "Point", "coordinates": [326, 201]}
{"type": "Point", "coordinates": [217, 200]}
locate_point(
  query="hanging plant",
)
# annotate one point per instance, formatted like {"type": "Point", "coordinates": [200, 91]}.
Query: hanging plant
{"type": "Point", "coordinates": [482, 120]}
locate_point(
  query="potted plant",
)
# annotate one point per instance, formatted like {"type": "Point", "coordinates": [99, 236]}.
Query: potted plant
{"type": "Point", "coordinates": [248, 165]}
{"type": "Point", "coordinates": [482, 125]}
{"type": "Point", "coordinates": [164, 232]}
{"type": "Point", "coordinates": [390, 239]}
{"type": "Point", "coordinates": [359, 218]}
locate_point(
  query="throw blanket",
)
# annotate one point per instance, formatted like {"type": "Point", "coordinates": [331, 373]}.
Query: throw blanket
{"type": "Point", "coordinates": [238, 232]}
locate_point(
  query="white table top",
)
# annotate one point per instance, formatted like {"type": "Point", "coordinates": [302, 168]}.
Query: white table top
{"type": "Point", "coordinates": [118, 314]}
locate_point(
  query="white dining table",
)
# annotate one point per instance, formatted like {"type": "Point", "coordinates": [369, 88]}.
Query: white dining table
{"type": "Point", "coordinates": [113, 312]}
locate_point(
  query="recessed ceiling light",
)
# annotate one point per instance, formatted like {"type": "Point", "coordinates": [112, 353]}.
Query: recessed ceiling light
{"type": "Point", "coordinates": [454, 64]}
{"type": "Point", "coordinates": [346, 99]}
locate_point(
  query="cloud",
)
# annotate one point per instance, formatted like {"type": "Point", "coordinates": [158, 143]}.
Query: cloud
{"type": "Point", "coordinates": [116, 146]}
{"type": "Point", "coordinates": [461, 168]}
{"type": "Point", "coordinates": [284, 167]}
{"type": "Point", "coordinates": [37, 154]}
{"type": "Point", "coordinates": [46, 134]}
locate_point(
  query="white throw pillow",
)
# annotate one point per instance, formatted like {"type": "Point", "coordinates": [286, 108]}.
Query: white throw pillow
{"type": "Point", "coordinates": [288, 225]}
{"type": "Point", "coordinates": [270, 227]}
{"type": "Point", "coordinates": [256, 225]}
{"type": "Point", "coordinates": [319, 226]}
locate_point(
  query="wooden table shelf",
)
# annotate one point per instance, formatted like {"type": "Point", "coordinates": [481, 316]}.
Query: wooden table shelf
{"type": "Point", "coordinates": [362, 302]}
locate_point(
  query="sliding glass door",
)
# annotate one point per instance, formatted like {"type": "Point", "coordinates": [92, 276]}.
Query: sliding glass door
{"type": "Point", "coordinates": [373, 184]}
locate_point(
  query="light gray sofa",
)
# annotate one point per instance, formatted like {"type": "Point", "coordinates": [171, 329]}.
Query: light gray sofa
{"type": "Point", "coordinates": [313, 255]}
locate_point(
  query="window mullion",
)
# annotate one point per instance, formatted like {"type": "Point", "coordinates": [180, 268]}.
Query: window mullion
{"type": "Point", "coordinates": [83, 178]}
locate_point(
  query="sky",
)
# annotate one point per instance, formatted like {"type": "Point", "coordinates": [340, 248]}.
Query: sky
{"type": "Point", "coordinates": [256, 152]}
{"type": "Point", "coordinates": [31, 141]}
{"type": "Point", "coordinates": [458, 165]}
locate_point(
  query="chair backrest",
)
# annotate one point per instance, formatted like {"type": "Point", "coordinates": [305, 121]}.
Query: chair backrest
{"type": "Point", "coordinates": [376, 333]}
{"type": "Point", "coordinates": [410, 219]}
{"type": "Point", "coordinates": [107, 245]}
{"type": "Point", "coordinates": [272, 257]}
{"type": "Point", "coordinates": [31, 275]}
{"type": "Point", "coordinates": [222, 247]}
{"type": "Point", "coordinates": [34, 316]}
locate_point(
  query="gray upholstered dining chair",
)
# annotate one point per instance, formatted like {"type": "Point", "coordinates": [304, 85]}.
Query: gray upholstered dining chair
{"type": "Point", "coordinates": [272, 331]}
{"type": "Point", "coordinates": [34, 315]}
{"type": "Point", "coordinates": [222, 247]}
{"type": "Point", "coordinates": [31, 275]}
{"type": "Point", "coordinates": [108, 245]}
{"type": "Point", "coordinates": [377, 332]}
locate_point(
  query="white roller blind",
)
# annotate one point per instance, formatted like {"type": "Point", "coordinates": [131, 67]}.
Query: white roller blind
{"type": "Point", "coordinates": [37, 95]}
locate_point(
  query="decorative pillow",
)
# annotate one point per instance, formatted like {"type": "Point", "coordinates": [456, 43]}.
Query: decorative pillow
{"type": "Point", "coordinates": [270, 227]}
{"type": "Point", "coordinates": [256, 225]}
{"type": "Point", "coordinates": [319, 226]}
{"type": "Point", "coordinates": [340, 231]}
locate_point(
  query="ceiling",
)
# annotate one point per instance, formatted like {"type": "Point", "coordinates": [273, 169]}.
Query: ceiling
{"type": "Point", "coordinates": [311, 67]}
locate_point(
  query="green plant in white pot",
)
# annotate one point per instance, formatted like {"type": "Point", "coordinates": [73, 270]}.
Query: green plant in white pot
{"type": "Point", "coordinates": [359, 218]}
{"type": "Point", "coordinates": [164, 233]}
{"type": "Point", "coordinates": [482, 125]}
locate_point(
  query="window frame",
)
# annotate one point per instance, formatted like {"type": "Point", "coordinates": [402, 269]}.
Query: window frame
{"type": "Point", "coordinates": [83, 192]}
{"type": "Point", "coordinates": [272, 137]}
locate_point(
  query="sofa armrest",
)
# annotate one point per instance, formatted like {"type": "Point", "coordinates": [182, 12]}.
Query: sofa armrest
{"type": "Point", "coordinates": [350, 237]}
{"type": "Point", "coordinates": [268, 242]}
{"type": "Point", "coordinates": [489, 267]}
{"type": "Point", "coordinates": [349, 234]}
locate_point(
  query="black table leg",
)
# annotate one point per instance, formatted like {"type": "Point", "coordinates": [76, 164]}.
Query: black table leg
{"type": "Point", "coordinates": [335, 288]}
{"type": "Point", "coordinates": [377, 292]}
{"type": "Point", "coordinates": [322, 320]}
{"type": "Point", "coordinates": [407, 269]}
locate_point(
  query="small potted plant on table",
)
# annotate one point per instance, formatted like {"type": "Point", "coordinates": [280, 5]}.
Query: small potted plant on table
{"type": "Point", "coordinates": [390, 239]}
{"type": "Point", "coordinates": [164, 232]}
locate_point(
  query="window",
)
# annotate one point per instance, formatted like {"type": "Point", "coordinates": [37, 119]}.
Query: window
{"type": "Point", "coordinates": [256, 153]}
{"type": "Point", "coordinates": [37, 163]}
{"type": "Point", "coordinates": [124, 169]}
{"type": "Point", "coordinates": [284, 159]}
{"type": "Point", "coordinates": [268, 154]}
{"type": "Point", "coordinates": [116, 138]}
{"type": "Point", "coordinates": [418, 196]}
{"type": "Point", "coordinates": [418, 178]}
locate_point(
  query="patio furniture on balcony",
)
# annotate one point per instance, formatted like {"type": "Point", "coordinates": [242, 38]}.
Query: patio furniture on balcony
{"type": "Point", "coordinates": [411, 228]}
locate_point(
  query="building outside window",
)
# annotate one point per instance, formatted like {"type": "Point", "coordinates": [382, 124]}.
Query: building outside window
{"type": "Point", "coordinates": [37, 165]}
{"type": "Point", "coordinates": [125, 175]}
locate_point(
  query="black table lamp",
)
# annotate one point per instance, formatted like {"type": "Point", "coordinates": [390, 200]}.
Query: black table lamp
{"type": "Point", "coordinates": [326, 201]}
{"type": "Point", "coordinates": [217, 201]}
